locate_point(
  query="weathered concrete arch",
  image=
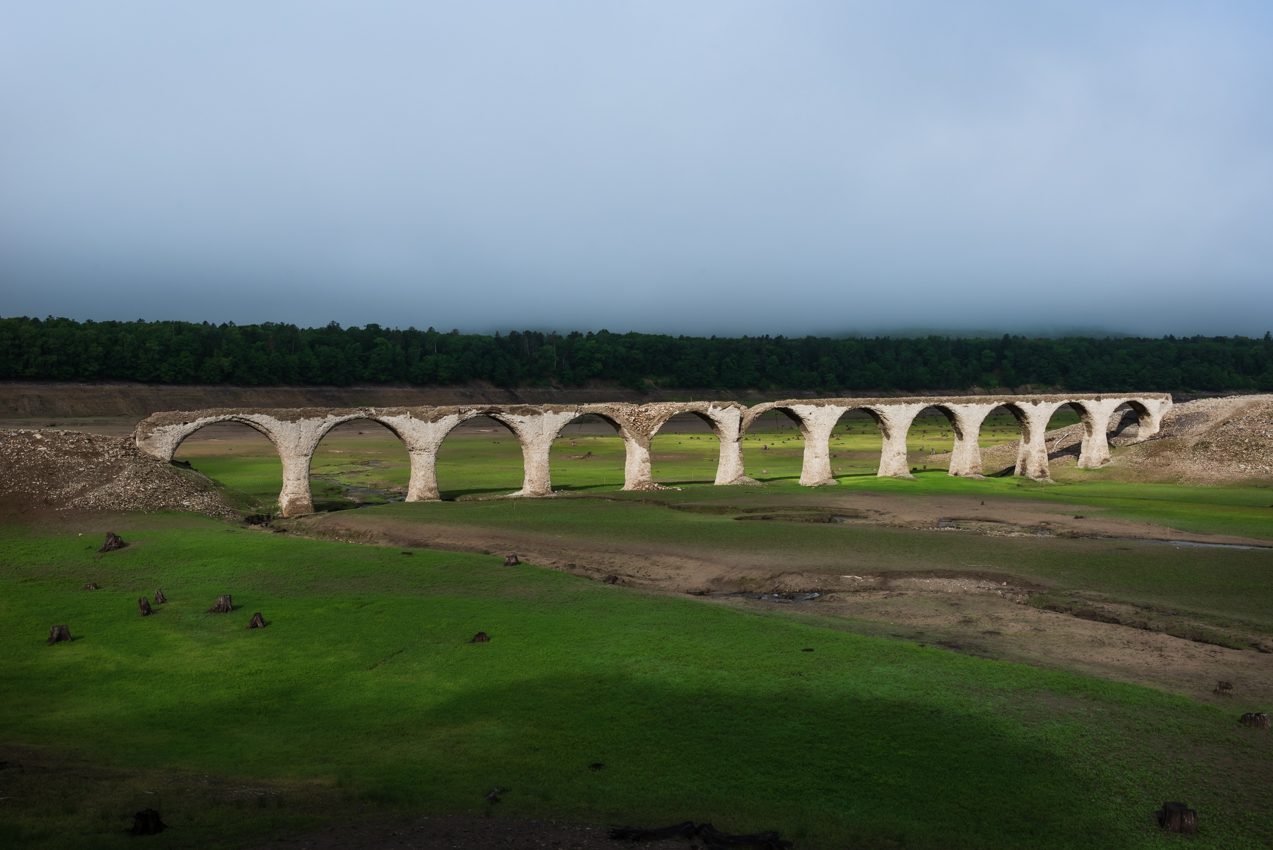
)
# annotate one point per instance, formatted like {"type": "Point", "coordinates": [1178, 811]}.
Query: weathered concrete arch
{"type": "Point", "coordinates": [295, 434]}
{"type": "Point", "coordinates": [726, 422]}
{"type": "Point", "coordinates": [965, 421]}
{"type": "Point", "coordinates": [815, 419]}
{"type": "Point", "coordinates": [423, 429]}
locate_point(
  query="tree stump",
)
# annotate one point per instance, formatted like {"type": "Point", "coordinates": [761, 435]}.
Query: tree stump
{"type": "Point", "coordinates": [223, 605]}
{"type": "Point", "coordinates": [160, 599]}
{"type": "Point", "coordinates": [147, 822]}
{"type": "Point", "coordinates": [57, 634]}
{"type": "Point", "coordinates": [112, 543]}
{"type": "Point", "coordinates": [92, 585]}
{"type": "Point", "coordinates": [1256, 720]}
{"type": "Point", "coordinates": [1224, 689]}
{"type": "Point", "coordinates": [480, 637]}
{"type": "Point", "coordinates": [1177, 817]}
{"type": "Point", "coordinates": [258, 622]}
{"type": "Point", "coordinates": [144, 605]}
{"type": "Point", "coordinates": [511, 561]}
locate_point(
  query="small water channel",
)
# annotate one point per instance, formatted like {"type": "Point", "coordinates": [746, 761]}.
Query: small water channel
{"type": "Point", "coordinates": [1180, 542]}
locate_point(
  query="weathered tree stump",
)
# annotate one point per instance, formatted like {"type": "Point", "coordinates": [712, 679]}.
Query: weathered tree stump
{"type": "Point", "coordinates": [160, 599]}
{"type": "Point", "coordinates": [147, 822]}
{"type": "Point", "coordinates": [511, 561]}
{"type": "Point", "coordinates": [223, 605]}
{"type": "Point", "coordinates": [1256, 720]}
{"type": "Point", "coordinates": [112, 543]}
{"type": "Point", "coordinates": [1224, 689]}
{"type": "Point", "coordinates": [57, 634]}
{"type": "Point", "coordinates": [1177, 817]}
{"type": "Point", "coordinates": [92, 585]}
{"type": "Point", "coordinates": [480, 637]}
{"type": "Point", "coordinates": [258, 622]}
{"type": "Point", "coordinates": [144, 605]}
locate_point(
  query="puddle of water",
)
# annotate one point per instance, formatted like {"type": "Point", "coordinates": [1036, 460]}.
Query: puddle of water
{"type": "Point", "coordinates": [790, 598]}
{"type": "Point", "coordinates": [1181, 543]}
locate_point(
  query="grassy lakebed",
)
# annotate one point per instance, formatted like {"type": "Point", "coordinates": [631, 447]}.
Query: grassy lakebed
{"type": "Point", "coordinates": [364, 698]}
{"type": "Point", "coordinates": [365, 686]}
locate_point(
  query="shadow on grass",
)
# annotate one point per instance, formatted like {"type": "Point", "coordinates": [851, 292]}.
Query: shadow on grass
{"type": "Point", "coordinates": [790, 756]}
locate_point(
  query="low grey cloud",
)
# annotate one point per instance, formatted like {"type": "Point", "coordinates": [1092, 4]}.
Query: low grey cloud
{"type": "Point", "coordinates": [716, 167]}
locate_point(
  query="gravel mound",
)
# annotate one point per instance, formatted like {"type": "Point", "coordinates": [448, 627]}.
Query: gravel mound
{"type": "Point", "coordinates": [69, 470]}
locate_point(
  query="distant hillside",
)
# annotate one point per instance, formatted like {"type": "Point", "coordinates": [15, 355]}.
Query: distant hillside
{"type": "Point", "coordinates": [332, 356]}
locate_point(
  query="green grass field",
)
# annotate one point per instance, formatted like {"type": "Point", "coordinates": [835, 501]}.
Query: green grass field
{"type": "Point", "coordinates": [364, 684]}
{"type": "Point", "coordinates": [364, 693]}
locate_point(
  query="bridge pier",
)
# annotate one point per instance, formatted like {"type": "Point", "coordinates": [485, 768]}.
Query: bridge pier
{"type": "Point", "coordinates": [816, 423]}
{"type": "Point", "coordinates": [536, 428]}
{"type": "Point", "coordinates": [965, 422]}
{"type": "Point", "coordinates": [1032, 458]}
{"type": "Point", "coordinates": [422, 431]}
{"type": "Point", "coordinates": [894, 421]}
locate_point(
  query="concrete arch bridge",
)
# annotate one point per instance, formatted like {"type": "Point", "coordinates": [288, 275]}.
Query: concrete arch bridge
{"type": "Point", "coordinates": [296, 433]}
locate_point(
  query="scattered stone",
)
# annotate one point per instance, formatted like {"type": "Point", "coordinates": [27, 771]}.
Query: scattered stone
{"type": "Point", "coordinates": [223, 606]}
{"type": "Point", "coordinates": [113, 542]}
{"type": "Point", "coordinates": [57, 634]}
{"type": "Point", "coordinates": [1224, 689]}
{"type": "Point", "coordinates": [147, 822]}
{"type": "Point", "coordinates": [92, 585]}
{"type": "Point", "coordinates": [1255, 719]}
{"type": "Point", "coordinates": [494, 796]}
{"type": "Point", "coordinates": [1177, 817]}
{"type": "Point", "coordinates": [511, 561]}
{"type": "Point", "coordinates": [144, 605]}
{"type": "Point", "coordinates": [160, 599]}
{"type": "Point", "coordinates": [480, 637]}
{"type": "Point", "coordinates": [258, 622]}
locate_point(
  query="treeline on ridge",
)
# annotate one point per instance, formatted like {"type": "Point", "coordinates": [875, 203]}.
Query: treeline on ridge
{"type": "Point", "coordinates": [280, 354]}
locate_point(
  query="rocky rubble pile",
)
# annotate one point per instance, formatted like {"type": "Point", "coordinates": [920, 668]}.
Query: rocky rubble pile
{"type": "Point", "coordinates": [70, 470]}
{"type": "Point", "coordinates": [1212, 438]}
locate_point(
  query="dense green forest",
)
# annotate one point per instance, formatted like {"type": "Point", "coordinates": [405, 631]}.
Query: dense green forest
{"type": "Point", "coordinates": [272, 354]}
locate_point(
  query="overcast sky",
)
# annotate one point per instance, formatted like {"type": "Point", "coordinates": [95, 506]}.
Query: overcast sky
{"type": "Point", "coordinates": [681, 167]}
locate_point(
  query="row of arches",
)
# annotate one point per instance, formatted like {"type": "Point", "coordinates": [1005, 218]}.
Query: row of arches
{"type": "Point", "coordinates": [296, 433]}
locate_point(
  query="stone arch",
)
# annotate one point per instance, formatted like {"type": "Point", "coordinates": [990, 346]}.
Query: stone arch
{"type": "Point", "coordinates": [294, 432]}
{"type": "Point", "coordinates": [1149, 413]}
{"type": "Point", "coordinates": [894, 418]}
{"type": "Point", "coordinates": [815, 420]}
{"type": "Point", "coordinates": [723, 419]}
{"type": "Point", "coordinates": [370, 415]}
{"type": "Point", "coordinates": [423, 430]}
{"type": "Point", "coordinates": [1032, 416]}
{"type": "Point", "coordinates": [614, 419]}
